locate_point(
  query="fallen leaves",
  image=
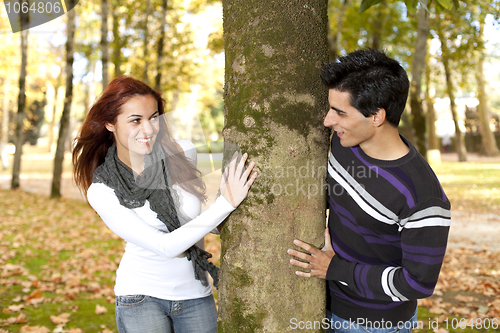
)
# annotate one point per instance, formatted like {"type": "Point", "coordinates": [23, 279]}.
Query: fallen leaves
{"type": "Point", "coordinates": [63, 318]}
{"type": "Point", "coordinates": [54, 252]}
{"type": "Point", "coordinates": [99, 309]}
{"type": "Point", "coordinates": [468, 286]}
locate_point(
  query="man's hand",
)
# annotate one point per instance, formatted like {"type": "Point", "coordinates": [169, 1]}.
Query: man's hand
{"type": "Point", "coordinates": [318, 261]}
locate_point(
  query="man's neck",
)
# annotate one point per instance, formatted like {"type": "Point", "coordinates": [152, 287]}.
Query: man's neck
{"type": "Point", "coordinates": [386, 145]}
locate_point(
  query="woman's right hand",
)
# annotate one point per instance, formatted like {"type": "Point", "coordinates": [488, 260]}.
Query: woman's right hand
{"type": "Point", "coordinates": [235, 183]}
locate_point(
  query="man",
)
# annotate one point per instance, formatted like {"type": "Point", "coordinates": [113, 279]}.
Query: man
{"type": "Point", "coordinates": [388, 215]}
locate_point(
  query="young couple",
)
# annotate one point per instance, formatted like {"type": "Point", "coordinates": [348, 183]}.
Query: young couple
{"type": "Point", "coordinates": [387, 234]}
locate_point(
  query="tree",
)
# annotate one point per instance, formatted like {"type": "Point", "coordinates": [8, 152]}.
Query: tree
{"type": "Point", "coordinates": [50, 130]}
{"type": "Point", "coordinates": [146, 41]}
{"type": "Point", "coordinates": [417, 70]}
{"type": "Point", "coordinates": [334, 35]}
{"type": "Point", "coordinates": [68, 98]}
{"type": "Point", "coordinates": [433, 141]}
{"type": "Point", "coordinates": [21, 101]}
{"type": "Point", "coordinates": [161, 42]}
{"type": "Point", "coordinates": [274, 106]}
{"type": "Point", "coordinates": [104, 43]}
{"type": "Point", "coordinates": [5, 124]}
{"type": "Point", "coordinates": [489, 145]}
{"type": "Point", "coordinates": [445, 58]}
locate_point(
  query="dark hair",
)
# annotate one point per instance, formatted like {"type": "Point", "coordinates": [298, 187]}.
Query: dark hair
{"type": "Point", "coordinates": [92, 144]}
{"type": "Point", "coordinates": [373, 80]}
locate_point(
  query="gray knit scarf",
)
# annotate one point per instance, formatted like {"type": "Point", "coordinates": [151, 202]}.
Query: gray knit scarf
{"type": "Point", "coordinates": [153, 185]}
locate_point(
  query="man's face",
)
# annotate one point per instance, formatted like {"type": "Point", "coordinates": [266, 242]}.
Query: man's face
{"type": "Point", "coordinates": [350, 125]}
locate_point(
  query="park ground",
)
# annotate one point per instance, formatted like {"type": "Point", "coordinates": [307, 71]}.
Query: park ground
{"type": "Point", "coordinates": [58, 259]}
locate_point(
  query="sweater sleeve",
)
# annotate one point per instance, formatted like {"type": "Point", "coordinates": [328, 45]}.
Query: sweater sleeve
{"type": "Point", "coordinates": [424, 238]}
{"type": "Point", "coordinates": [128, 225]}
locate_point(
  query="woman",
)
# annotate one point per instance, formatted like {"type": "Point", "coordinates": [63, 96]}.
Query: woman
{"type": "Point", "coordinates": [146, 188]}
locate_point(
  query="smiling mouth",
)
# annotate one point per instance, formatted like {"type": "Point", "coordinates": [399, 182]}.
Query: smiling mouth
{"type": "Point", "coordinates": [144, 141]}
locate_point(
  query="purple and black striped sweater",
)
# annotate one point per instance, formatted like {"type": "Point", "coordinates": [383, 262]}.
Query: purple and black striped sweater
{"type": "Point", "coordinates": [389, 223]}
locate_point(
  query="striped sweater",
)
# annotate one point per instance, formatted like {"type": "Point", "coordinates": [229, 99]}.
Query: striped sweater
{"type": "Point", "coordinates": [389, 223]}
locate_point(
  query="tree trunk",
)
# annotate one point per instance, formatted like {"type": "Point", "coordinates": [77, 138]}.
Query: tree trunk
{"type": "Point", "coordinates": [459, 137]}
{"type": "Point", "coordinates": [161, 42]}
{"type": "Point", "coordinates": [50, 131]}
{"type": "Point", "coordinates": [104, 43]}
{"type": "Point", "coordinates": [377, 27]}
{"type": "Point", "coordinates": [117, 43]}
{"type": "Point", "coordinates": [21, 101]}
{"type": "Point", "coordinates": [417, 112]}
{"type": "Point", "coordinates": [68, 98]}
{"type": "Point", "coordinates": [433, 151]}
{"type": "Point", "coordinates": [146, 41]}
{"type": "Point", "coordinates": [5, 124]}
{"type": "Point", "coordinates": [431, 114]}
{"type": "Point", "coordinates": [489, 145]}
{"type": "Point", "coordinates": [274, 105]}
{"type": "Point", "coordinates": [333, 36]}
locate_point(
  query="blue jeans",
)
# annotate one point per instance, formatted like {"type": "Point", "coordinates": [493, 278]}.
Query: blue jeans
{"type": "Point", "coordinates": [147, 314]}
{"type": "Point", "coordinates": [339, 325]}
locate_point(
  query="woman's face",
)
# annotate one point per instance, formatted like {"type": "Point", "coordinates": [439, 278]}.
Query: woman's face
{"type": "Point", "coordinates": [135, 129]}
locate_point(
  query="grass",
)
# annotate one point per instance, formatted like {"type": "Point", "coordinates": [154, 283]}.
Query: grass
{"type": "Point", "coordinates": [471, 186]}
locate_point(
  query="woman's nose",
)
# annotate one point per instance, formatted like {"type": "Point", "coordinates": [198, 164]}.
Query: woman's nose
{"type": "Point", "coordinates": [147, 128]}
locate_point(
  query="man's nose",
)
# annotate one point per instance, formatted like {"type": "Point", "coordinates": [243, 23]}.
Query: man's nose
{"type": "Point", "coordinates": [330, 119]}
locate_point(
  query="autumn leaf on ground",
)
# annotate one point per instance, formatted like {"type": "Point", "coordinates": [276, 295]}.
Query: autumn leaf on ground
{"type": "Point", "coordinates": [63, 318]}
{"type": "Point", "coordinates": [99, 309]}
{"type": "Point", "coordinates": [16, 307]}
{"type": "Point", "coordinates": [74, 330]}
{"type": "Point", "coordinates": [34, 329]}
{"type": "Point", "coordinates": [20, 319]}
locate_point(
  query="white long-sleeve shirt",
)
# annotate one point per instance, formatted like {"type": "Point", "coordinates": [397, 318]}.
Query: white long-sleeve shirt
{"type": "Point", "coordinates": [154, 262]}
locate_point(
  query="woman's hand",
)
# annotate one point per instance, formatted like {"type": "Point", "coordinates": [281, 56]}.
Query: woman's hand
{"type": "Point", "coordinates": [234, 182]}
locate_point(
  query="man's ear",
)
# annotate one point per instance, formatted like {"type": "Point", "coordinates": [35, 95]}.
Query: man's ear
{"type": "Point", "coordinates": [110, 127]}
{"type": "Point", "coordinates": [379, 117]}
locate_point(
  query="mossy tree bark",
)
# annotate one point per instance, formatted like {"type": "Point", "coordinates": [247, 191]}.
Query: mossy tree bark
{"type": "Point", "coordinates": [274, 105]}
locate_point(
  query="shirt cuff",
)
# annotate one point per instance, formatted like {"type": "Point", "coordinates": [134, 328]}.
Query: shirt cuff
{"type": "Point", "coordinates": [341, 270]}
{"type": "Point", "coordinates": [223, 204]}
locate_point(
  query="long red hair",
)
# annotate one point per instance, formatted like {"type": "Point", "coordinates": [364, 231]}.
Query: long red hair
{"type": "Point", "coordinates": [92, 144]}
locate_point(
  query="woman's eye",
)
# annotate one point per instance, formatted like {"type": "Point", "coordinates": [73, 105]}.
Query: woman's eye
{"type": "Point", "coordinates": [154, 119]}
{"type": "Point", "coordinates": [135, 121]}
